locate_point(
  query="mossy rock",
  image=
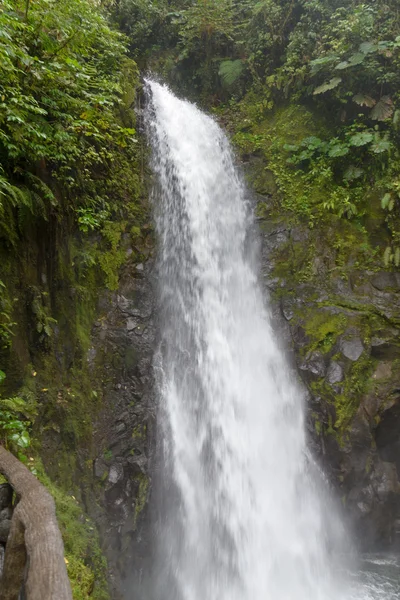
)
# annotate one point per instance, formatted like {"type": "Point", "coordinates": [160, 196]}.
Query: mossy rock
{"type": "Point", "coordinates": [87, 567]}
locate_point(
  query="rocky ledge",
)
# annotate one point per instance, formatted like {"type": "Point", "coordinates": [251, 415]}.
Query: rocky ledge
{"type": "Point", "coordinates": [342, 324]}
{"type": "Point", "coordinates": [123, 346]}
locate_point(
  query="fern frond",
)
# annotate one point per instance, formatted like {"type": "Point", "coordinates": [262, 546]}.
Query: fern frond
{"type": "Point", "coordinates": [230, 71]}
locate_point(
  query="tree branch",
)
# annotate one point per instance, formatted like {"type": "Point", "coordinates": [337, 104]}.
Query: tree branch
{"type": "Point", "coordinates": [27, 3]}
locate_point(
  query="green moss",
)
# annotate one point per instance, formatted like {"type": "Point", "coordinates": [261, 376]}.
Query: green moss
{"type": "Point", "coordinates": [357, 382]}
{"type": "Point", "coordinates": [85, 563]}
{"type": "Point", "coordinates": [141, 495]}
{"type": "Point", "coordinates": [139, 432]}
{"type": "Point", "coordinates": [323, 328]}
{"type": "Point", "coordinates": [317, 424]}
{"type": "Point", "coordinates": [368, 464]}
{"type": "Point", "coordinates": [110, 263]}
{"type": "Point", "coordinates": [54, 266]}
{"type": "Point", "coordinates": [292, 189]}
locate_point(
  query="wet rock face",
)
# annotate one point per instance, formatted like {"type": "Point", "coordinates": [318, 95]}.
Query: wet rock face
{"type": "Point", "coordinates": [343, 331]}
{"type": "Point", "coordinates": [122, 351]}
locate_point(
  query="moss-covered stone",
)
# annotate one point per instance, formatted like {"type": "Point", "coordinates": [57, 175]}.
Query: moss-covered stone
{"type": "Point", "coordinates": [323, 328]}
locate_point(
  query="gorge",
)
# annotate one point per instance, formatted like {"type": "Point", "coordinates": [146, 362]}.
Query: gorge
{"type": "Point", "coordinates": [199, 303]}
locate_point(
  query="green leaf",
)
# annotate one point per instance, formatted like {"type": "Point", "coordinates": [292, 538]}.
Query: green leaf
{"type": "Point", "coordinates": [384, 45]}
{"type": "Point", "coordinates": [305, 155]}
{"type": "Point", "coordinates": [383, 109]}
{"type": "Point", "coordinates": [385, 200]}
{"type": "Point", "coordinates": [230, 71]}
{"type": "Point", "coordinates": [352, 173]}
{"type": "Point", "coordinates": [342, 65]}
{"type": "Point", "coordinates": [363, 100]}
{"type": "Point", "coordinates": [2, 376]}
{"type": "Point", "coordinates": [368, 47]}
{"type": "Point", "coordinates": [337, 150]}
{"type": "Point", "coordinates": [397, 257]}
{"type": "Point", "coordinates": [361, 139]}
{"type": "Point", "coordinates": [21, 439]}
{"type": "Point", "coordinates": [25, 439]}
{"type": "Point", "coordinates": [387, 255]}
{"type": "Point", "coordinates": [313, 142]}
{"type": "Point", "coordinates": [290, 147]}
{"type": "Point", "coordinates": [318, 63]}
{"type": "Point", "coordinates": [381, 145]}
{"type": "Point", "coordinates": [356, 59]}
{"type": "Point", "coordinates": [15, 404]}
{"type": "Point", "coordinates": [328, 85]}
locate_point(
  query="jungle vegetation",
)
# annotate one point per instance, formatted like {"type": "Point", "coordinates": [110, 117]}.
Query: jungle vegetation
{"type": "Point", "coordinates": [310, 86]}
{"type": "Point", "coordinates": [333, 64]}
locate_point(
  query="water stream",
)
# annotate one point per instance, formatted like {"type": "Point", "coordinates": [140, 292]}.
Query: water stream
{"type": "Point", "coordinates": [241, 511]}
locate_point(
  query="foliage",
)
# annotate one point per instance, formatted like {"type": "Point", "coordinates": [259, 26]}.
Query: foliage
{"type": "Point", "coordinates": [62, 143]}
{"type": "Point", "coordinates": [150, 26]}
{"type": "Point", "coordinates": [6, 321]}
{"type": "Point", "coordinates": [339, 60]}
{"type": "Point", "coordinates": [230, 71]}
{"type": "Point", "coordinates": [16, 416]}
{"type": "Point", "coordinates": [85, 565]}
{"type": "Point", "coordinates": [70, 194]}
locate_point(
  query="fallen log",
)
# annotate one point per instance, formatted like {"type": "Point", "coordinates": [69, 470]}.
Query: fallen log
{"type": "Point", "coordinates": [34, 550]}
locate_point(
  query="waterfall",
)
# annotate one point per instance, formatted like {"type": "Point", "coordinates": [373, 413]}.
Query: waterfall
{"type": "Point", "coordinates": [241, 513]}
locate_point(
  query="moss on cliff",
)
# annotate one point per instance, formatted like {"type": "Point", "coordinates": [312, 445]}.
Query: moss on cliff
{"type": "Point", "coordinates": [85, 563]}
{"type": "Point", "coordinates": [56, 262]}
{"type": "Point", "coordinates": [323, 258]}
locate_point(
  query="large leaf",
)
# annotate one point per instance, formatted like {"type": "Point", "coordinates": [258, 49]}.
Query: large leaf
{"type": "Point", "coordinates": [368, 47]}
{"type": "Point", "coordinates": [21, 439]}
{"type": "Point", "coordinates": [380, 145]}
{"type": "Point", "coordinates": [361, 139]}
{"type": "Point", "coordinates": [230, 71]}
{"type": "Point", "coordinates": [357, 58]}
{"type": "Point", "coordinates": [320, 63]}
{"type": "Point", "coordinates": [328, 85]}
{"type": "Point", "coordinates": [337, 150]}
{"type": "Point", "coordinates": [343, 65]}
{"type": "Point", "coordinates": [386, 200]}
{"type": "Point", "coordinates": [383, 109]}
{"type": "Point", "coordinates": [387, 255]}
{"type": "Point", "coordinates": [352, 173]}
{"type": "Point", "coordinates": [363, 100]}
{"type": "Point", "coordinates": [384, 45]}
{"type": "Point", "coordinates": [313, 142]}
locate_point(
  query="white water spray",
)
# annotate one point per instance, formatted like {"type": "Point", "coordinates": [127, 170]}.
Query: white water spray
{"type": "Point", "coordinates": [244, 519]}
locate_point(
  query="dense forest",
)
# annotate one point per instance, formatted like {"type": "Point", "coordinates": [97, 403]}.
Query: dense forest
{"type": "Point", "coordinates": [309, 91]}
{"type": "Point", "coordinates": [326, 73]}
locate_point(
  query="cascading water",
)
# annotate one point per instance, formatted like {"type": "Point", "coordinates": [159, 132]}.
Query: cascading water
{"type": "Point", "coordinates": [242, 517]}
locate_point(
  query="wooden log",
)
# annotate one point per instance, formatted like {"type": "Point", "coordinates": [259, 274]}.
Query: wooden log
{"type": "Point", "coordinates": [35, 540]}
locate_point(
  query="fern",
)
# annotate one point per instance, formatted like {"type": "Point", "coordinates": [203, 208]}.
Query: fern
{"type": "Point", "coordinates": [230, 71]}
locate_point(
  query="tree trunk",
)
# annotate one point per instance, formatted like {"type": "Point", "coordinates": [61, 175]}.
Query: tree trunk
{"type": "Point", "coordinates": [34, 541]}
